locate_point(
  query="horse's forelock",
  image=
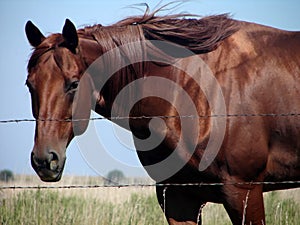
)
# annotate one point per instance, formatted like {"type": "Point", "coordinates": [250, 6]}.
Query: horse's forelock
{"type": "Point", "coordinates": [50, 43]}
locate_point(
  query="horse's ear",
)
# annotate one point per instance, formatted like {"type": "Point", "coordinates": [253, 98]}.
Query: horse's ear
{"type": "Point", "coordinates": [70, 35]}
{"type": "Point", "coordinates": [34, 35]}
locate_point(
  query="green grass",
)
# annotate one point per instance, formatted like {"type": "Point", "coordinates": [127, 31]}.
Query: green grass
{"type": "Point", "coordinates": [40, 207]}
{"type": "Point", "coordinates": [283, 211]}
{"type": "Point", "coordinates": [51, 207]}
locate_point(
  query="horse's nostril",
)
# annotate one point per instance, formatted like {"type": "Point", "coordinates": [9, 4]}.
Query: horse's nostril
{"type": "Point", "coordinates": [53, 161]}
{"type": "Point", "coordinates": [53, 165]}
{"type": "Point", "coordinates": [36, 161]}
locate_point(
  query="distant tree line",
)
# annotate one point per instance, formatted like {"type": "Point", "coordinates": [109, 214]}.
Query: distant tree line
{"type": "Point", "coordinates": [6, 175]}
{"type": "Point", "coordinates": [114, 177]}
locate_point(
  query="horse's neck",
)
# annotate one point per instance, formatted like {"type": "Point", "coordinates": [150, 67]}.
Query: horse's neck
{"type": "Point", "coordinates": [163, 83]}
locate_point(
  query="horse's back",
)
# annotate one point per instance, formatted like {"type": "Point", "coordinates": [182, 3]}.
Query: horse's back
{"type": "Point", "coordinates": [259, 71]}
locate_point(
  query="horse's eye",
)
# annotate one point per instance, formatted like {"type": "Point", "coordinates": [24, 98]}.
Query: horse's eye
{"type": "Point", "coordinates": [73, 85]}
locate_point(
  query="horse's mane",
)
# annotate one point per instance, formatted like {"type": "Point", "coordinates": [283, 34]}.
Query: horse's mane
{"type": "Point", "coordinates": [198, 35]}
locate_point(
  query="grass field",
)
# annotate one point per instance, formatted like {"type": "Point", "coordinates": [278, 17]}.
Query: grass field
{"type": "Point", "coordinates": [116, 206]}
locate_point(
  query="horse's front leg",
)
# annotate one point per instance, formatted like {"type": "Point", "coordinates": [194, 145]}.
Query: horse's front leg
{"type": "Point", "coordinates": [179, 205]}
{"type": "Point", "coordinates": [244, 204]}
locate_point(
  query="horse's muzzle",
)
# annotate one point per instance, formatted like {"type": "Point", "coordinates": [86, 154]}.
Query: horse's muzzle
{"type": "Point", "coordinates": [49, 167]}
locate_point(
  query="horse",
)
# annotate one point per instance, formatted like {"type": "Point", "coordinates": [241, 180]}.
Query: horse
{"type": "Point", "coordinates": [211, 102]}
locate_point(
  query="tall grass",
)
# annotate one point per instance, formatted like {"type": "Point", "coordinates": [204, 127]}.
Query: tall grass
{"type": "Point", "coordinates": [282, 211]}
{"type": "Point", "coordinates": [121, 206]}
{"type": "Point", "coordinates": [42, 207]}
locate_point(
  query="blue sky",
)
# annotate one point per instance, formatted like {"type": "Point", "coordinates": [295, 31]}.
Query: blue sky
{"type": "Point", "coordinates": [16, 139]}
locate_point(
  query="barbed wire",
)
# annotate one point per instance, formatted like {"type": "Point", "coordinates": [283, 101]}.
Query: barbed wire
{"type": "Point", "coordinates": [148, 185]}
{"type": "Point", "coordinates": [292, 114]}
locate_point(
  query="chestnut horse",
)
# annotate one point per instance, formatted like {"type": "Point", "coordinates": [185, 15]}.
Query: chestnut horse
{"type": "Point", "coordinates": [218, 97]}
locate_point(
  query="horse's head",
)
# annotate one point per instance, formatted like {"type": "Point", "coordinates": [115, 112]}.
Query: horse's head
{"type": "Point", "coordinates": [55, 74]}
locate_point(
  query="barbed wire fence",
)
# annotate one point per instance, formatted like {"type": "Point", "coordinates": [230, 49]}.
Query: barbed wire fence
{"type": "Point", "coordinates": [113, 184]}
{"type": "Point", "coordinates": [290, 114]}
{"type": "Point", "coordinates": [147, 185]}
